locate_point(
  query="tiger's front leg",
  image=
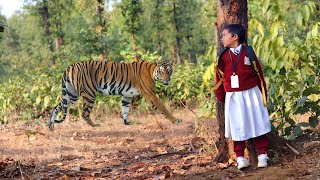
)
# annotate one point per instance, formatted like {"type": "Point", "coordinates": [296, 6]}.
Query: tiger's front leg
{"type": "Point", "coordinates": [88, 103]}
{"type": "Point", "coordinates": [157, 104]}
{"type": "Point", "coordinates": [126, 101]}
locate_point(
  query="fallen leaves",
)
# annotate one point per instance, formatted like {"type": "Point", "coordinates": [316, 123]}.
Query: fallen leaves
{"type": "Point", "coordinates": [161, 150]}
{"type": "Point", "coordinates": [231, 162]}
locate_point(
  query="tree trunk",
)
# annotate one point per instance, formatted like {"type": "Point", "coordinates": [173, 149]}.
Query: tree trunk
{"type": "Point", "coordinates": [45, 17]}
{"type": "Point", "coordinates": [229, 11]}
{"type": "Point", "coordinates": [57, 43]}
{"type": "Point", "coordinates": [134, 46]}
{"type": "Point", "coordinates": [59, 39]}
{"type": "Point", "coordinates": [178, 38]}
{"type": "Point", "coordinates": [172, 54]}
{"type": "Point", "coordinates": [100, 10]}
{"type": "Point", "coordinates": [191, 56]}
{"type": "Point", "coordinates": [158, 25]}
{"type": "Point", "coordinates": [159, 44]}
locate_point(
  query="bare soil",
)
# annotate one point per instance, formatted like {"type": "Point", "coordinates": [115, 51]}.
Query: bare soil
{"type": "Point", "coordinates": [150, 148]}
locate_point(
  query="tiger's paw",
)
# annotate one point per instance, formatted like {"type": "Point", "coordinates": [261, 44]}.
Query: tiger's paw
{"type": "Point", "coordinates": [95, 125]}
{"type": "Point", "coordinates": [50, 125]}
{"type": "Point", "coordinates": [126, 122]}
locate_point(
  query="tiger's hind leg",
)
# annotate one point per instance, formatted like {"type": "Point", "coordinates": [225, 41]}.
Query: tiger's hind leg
{"type": "Point", "coordinates": [88, 103]}
{"type": "Point", "coordinates": [54, 114]}
{"type": "Point", "coordinates": [126, 101]}
{"type": "Point", "coordinates": [69, 96]}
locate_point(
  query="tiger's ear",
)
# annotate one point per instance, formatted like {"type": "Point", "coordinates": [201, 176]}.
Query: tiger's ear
{"type": "Point", "coordinates": [171, 62]}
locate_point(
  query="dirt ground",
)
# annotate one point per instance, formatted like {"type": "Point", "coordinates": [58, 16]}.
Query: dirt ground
{"type": "Point", "coordinates": [150, 148]}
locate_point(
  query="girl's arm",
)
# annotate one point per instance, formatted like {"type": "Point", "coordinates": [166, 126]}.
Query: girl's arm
{"type": "Point", "coordinates": [219, 89]}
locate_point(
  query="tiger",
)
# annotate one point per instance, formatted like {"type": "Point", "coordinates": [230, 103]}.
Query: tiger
{"type": "Point", "coordinates": [86, 79]}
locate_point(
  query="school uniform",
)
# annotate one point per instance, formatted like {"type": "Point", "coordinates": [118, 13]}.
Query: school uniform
{"type": "Point", "coordinates": [245, 114]}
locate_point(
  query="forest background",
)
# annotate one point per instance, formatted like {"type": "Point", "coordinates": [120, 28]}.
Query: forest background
{"type": "Point", "coordinates": [39, 42]}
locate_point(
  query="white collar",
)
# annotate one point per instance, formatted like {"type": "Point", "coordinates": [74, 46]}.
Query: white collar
{"type": "Point", "coordinates": [236, 50]}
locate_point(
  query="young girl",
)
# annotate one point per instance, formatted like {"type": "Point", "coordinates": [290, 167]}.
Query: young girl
{"type": "Point", "coordinates": [245, 113]}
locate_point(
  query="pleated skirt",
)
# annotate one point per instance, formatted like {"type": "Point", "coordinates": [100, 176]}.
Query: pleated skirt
{"type": "Point", "coordinates": [245, 115]}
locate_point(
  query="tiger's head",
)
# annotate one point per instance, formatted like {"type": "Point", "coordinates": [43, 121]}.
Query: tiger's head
{"type": "Point", "coordinates": [163, 72]}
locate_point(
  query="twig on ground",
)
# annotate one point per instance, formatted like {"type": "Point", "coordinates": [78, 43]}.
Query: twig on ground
{"type": "Point", "coordinates": [173, 153]}
{"type": "Point", "coordinates": [210, 135]}
{"type": "Point", "coordinates": [34, 171]}
{"type": "Point", "coordinates": [293, 149]}
{"type": "Point", "coordinates": [21, 173]}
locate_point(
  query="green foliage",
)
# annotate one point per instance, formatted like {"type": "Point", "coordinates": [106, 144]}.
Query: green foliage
{"type": "Point", "coordinates": [185, 84]}
{"type": "Point", "coordinates": [131, 11]}
{"type": "Point", "coordinates": [292, 67]}
{"type": "Point", "coordinates": [28, 96]}
{"type": "Point", "coordinates": [129, 56]}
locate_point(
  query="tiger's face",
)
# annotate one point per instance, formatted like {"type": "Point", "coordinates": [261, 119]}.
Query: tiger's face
{"type": "Point", "coordinates": [163, 72]}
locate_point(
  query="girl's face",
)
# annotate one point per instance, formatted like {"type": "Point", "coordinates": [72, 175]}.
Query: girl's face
{"type": "Point", "coordinates": [229, 40]}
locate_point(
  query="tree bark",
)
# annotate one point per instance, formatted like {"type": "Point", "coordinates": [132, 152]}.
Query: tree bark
{"type": "Point", "coordinates": [45, 17]}
{"type": "Point", "coordinates": [229, 11]}
{"type": "Point", "coordinates": [159, 47]}
{"type": "Point", "coordinates": [159, 44]}
{"type": "Point", "coordinates": [178, 37]}
{"type": "Point", "coordinates": [172, 54]}
{"type": "Point", "coordinates": [191, 56]}
{"type": "Point", "coordinates": [100, 10]}
{"type": "Point", "coordinates": [59, 39]}
{"type": "Point", "coordinates": [134, 46]}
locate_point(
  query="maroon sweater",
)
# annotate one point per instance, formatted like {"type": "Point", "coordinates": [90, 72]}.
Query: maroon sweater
{"type": "Point", "coordinates": [247, 76]}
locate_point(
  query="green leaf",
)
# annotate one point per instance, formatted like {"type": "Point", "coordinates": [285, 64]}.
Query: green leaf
{"type": "Point", "coordinates": [46, 101]}
{"type": "Point", "coordinates": [280, 63]}
{"type": "Point", "coordinates": [310, 90]}
{"type": "Point", "coordinates": [266, 44]}
{"type": "Point", "coordinates": [259, 28]}
{"type": "Point", "coordinates": [312, 7]}
{"type": "Point", "coordinates": [314, 97]}
{"type": "Point", "coordinates": [38, 100]}
{"type": "Point", "coordinates": [291, 54]}
{"type": "Point", "coordinates": [313, 121]}
{"type": "Point", "coordinates": [315, 30]}
{"type": "Point", "coordinates": [280, 41]}
{"type": "Point", "coordinates": [265, 6]}
{"type": "Point", "coordinates": [287, 130]}
{"type": "Point", "coordinates": [274, 30]}
{"type": "Point", "coordinates": [297, 131]}
{"type": "Point", "coordinates": [290, 121]}
{"type": "Point", "coordinates": [299, 20]}
{"type": "Point", "coordinates": [303, 124]}
{"type": "Point", "coordinates": [306, 13]}
{"type": "Point", "coordinates": [291, 137]}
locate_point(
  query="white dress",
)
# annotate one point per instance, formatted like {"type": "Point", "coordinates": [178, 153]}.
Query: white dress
{"type": "Point", "coordinates": [245, 115]}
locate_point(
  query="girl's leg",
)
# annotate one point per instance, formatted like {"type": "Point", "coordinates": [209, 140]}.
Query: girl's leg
{"type": "Point", "coordinates": [262, 143]}
{"type": "Point", "coordinates": [238, 147]}
{"type": "Point", "coordinates": [239, 150]}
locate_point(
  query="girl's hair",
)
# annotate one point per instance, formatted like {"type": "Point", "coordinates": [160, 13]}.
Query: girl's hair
{"type": "Point", "coordinates": [237, 29]}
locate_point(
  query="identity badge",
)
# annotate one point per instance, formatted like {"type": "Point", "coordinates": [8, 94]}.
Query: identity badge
{"type": "Point", "coordinates": [234, 81]}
